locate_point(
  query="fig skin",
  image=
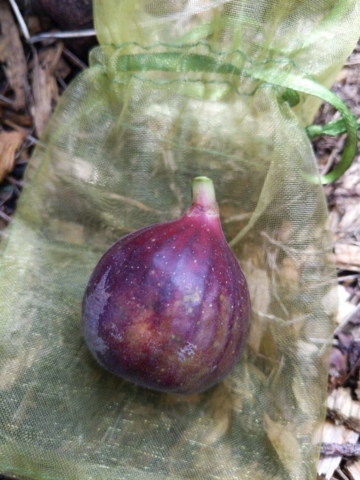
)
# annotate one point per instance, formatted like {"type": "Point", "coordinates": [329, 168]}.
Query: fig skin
{"type": "Point", "coordinates": [167, 307]}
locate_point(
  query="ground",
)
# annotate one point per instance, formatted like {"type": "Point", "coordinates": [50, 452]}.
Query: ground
{"type": "Point", "coordinates": [33, 77]}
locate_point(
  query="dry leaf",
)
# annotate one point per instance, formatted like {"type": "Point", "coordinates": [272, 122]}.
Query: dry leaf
{"type": "Point", "coordinates": [9, 143]}
{"type": "Point", "coordinates": [212, 427]}
{"type": "Point", "coordinates": [69, 232]}
{"type": "Point", "coordinates": [259, 286]}
{"type": "Point", "coordinates": [45, 89]}
{"type": "Point", "coordinates": [62, 69]}
{"type": "Point", "coordinates": [351, 218]}
{"type": "Point", "coordinates": [342, 75]}
{"type": "Point", "coordinates": [33, 24]}
{"type": "Point", "coordinates": [350, 182]}
{"type": "Point", "coordinates": [289, 274]}
{"type": "Point", "coordinates": [284, 442]}
{"type": "Point", "coordinates": [334, 220]}
{"type": "Point", "coordinates": [12, 55]}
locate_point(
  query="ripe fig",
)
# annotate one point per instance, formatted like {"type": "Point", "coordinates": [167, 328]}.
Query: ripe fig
{"type": "Point", "coordinates": [167, 307]}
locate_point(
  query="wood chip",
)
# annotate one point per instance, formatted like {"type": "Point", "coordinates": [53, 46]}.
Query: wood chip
{"type": "Point", "coordinates": [346, 308]}
{"type": "Point", "coordinates": [12, 55]}
{"type": "Point", "coordinates": [9, 144]}
{"type": "Point", "coordinates": [339, 434]}
{"type": "Point", "coordinates": [353, 470]}
{"type": "Point", "coordinates": [347, 256]}
{"type": "Point", "coordinates": [342, 408]}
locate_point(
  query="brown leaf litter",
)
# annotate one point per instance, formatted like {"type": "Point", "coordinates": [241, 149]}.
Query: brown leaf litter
{"type": "Point", "coordinates": [35, 76]}
{"type": "Point", "coordinates": [341, 448]}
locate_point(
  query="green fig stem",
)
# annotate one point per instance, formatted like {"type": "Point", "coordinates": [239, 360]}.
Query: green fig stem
{"type": "Point", "coordinates": [203, 193]}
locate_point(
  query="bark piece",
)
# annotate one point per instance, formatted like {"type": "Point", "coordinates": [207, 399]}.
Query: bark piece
{"type": "Point", "coordinates": [340, 449]}
{"type": "Point", "coordinates": [338, 434]}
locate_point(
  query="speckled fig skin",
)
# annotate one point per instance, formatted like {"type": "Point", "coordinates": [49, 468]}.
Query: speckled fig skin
{"type": "Point", "coordinates": [167, 307]}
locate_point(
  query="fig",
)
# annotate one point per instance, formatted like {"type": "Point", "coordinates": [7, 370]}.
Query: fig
{"type": "Point", "coordinates": [167, 307]}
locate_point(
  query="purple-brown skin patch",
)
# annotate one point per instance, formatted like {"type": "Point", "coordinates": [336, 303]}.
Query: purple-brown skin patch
{"type": "Point", "coordinates": [167, 307]}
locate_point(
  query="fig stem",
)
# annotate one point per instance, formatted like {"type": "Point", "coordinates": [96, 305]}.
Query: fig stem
{"type": "Point", "coordinates": [203, 195]}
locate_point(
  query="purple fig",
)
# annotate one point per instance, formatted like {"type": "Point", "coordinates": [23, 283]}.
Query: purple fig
{"type": "Point", "coordinates": [167, 307]}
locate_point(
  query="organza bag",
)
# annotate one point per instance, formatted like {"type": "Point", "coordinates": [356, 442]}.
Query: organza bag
{"type": "Point", "coordinates": [178, 89]}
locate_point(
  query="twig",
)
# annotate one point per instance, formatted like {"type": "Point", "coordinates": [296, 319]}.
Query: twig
{"type": "Point", "coordinates": [324, 341]}
{"type": "Point", "coordinates": [345, 278]}
{"type": "Point", "coordinates": [16, 183]}
{"type": "Point", "coordinates": [338, 148]}
{"type": "Point", "coordinates": [347, 319]}
{"type": "Point", "coordinates": [132, 201]}
{"type": "Point", "coordinates": [352, 63]}
{"type": "Point", "coordinates": [6, 100]}
{"type": "Point", "coordinates": [5, 217]}
{"type": "Point", "coordinates": [20, 20]}
{"type": "Point", "coordinates": [340, 449]}
{"type": "Point", "coordinates": [32, 140]}
{"type": "Point", "coordinates": [76, 61]}
{"type": "Point", "coordinates": [61, 82]}
{"type": "Point", "coordinates": [90, 32]}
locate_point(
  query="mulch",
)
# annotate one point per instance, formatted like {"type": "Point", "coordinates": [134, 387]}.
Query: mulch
{"type": "Point", "coordinates": [341, 450]}
{"type": "Point", "coordinates": [33, 77]}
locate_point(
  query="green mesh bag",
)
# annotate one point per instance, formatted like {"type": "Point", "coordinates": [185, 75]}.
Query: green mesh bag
{"type": "Point", "coordinates": [178, 89]}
